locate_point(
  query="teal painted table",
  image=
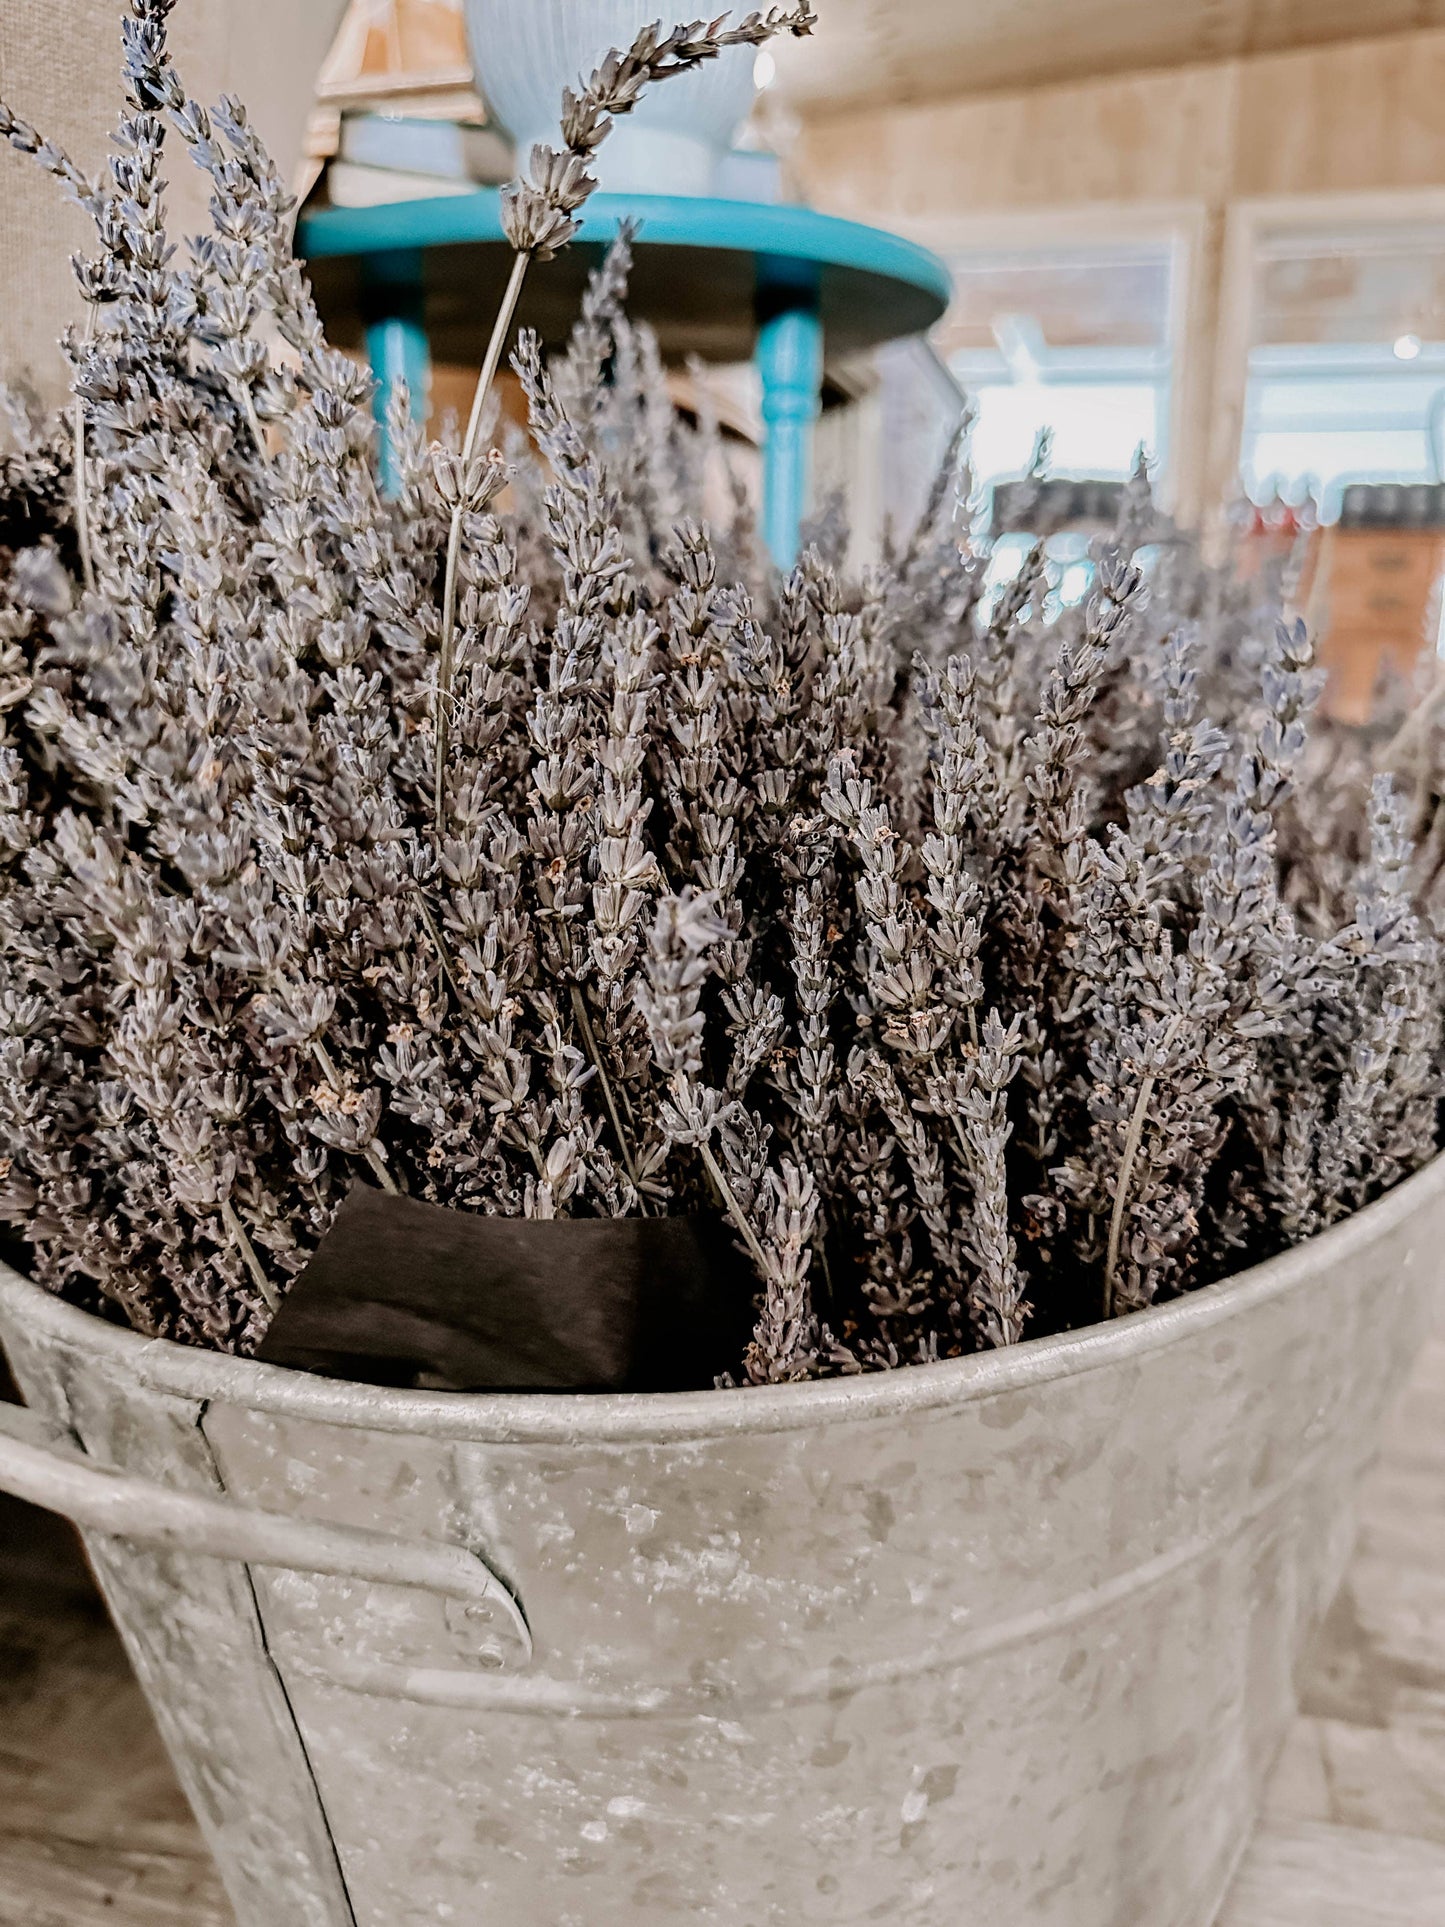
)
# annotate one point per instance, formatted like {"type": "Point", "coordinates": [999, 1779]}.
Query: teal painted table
{"type": "Point", "coordinates": [726, 280]}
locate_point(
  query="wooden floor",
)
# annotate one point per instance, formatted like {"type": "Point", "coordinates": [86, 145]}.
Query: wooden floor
{"type": "Point", "coordinates": [93, 1829]}
{"type": "Point", "coordinates": [1353, 1833]}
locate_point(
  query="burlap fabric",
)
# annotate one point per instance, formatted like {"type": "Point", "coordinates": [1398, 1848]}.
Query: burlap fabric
{"type": "Point", "coordinates": [60, 69]}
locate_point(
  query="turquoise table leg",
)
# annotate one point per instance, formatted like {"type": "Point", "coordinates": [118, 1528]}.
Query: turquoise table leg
{"type": "Point", "coordinates": [790, 362]}
{"type": "Point", "coordinates": [396, 340]}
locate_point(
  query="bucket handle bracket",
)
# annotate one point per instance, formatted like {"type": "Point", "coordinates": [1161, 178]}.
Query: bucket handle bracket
{"type": "Point", "coordinates": [47, 1466]}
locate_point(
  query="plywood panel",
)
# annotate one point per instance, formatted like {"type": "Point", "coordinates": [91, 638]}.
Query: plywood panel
{"type": "Point", "coordinates": [1359, 116]}
{"type": "Point", "coordinates": [60, 69]}
{"type": "Point", "coordinates": [1146, 136]}
{"type": "Point", "coordinates": [878, 50]}
{"type": "Point", "coordinates": [1343, 118]}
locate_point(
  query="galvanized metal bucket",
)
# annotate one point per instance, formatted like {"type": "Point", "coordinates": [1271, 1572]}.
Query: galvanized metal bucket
{"type": "Point", "coordinates": [1000, 1640]}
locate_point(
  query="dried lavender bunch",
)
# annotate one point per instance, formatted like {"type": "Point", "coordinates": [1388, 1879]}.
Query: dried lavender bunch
{"type": "Point", "coordinates": [523, 843]}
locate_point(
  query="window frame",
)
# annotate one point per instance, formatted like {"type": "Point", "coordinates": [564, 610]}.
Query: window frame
{"type": "Point", "coordinates": [1248, 221]}
{"type": "Point", "coordinates": [1187, 229]}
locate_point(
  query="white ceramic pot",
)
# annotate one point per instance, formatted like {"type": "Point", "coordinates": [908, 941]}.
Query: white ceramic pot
{"type": "Point", "coordinates": [527, 51]}
{"type": "Point", "coordinates": [1006, 1639]}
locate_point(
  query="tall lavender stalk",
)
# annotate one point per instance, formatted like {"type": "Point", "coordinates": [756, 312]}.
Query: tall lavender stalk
{"type": "Point", "coordinates": [539, 217]}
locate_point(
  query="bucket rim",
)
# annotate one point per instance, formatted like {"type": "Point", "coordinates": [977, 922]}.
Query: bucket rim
{"type": "Point", "coordinates": [184, 1371]}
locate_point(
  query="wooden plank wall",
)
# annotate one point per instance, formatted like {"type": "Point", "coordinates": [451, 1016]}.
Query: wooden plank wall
{"type": "Point", "coordinates": [1353, 117]}
{"type": "Point", "coordinates": [1360, 114]}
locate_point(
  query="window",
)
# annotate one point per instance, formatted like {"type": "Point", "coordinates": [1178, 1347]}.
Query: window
{"type": "Point", "coordinates": [1078, 340]}
{"type": "Point", "coordinates": [1346, 370]}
